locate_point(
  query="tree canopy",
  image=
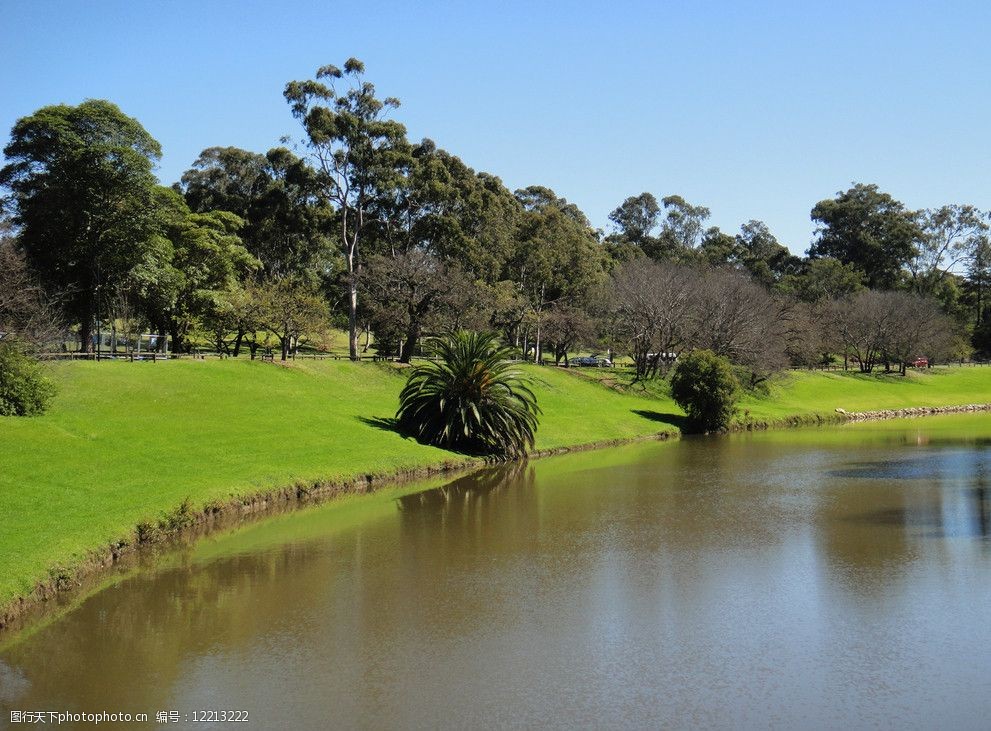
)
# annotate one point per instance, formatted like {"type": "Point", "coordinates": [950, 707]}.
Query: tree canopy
{"type": "Point", "coordinates": [84, 200]}
{"type": "Point", "coordinates": [869, 229]}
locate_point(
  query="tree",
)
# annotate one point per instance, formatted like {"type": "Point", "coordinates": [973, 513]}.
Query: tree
{"type": "Point", "coordinates": [869, 229]}
{"type": "Point", "coordinates": [291, 308]}
{"type": "Point", "coordinates": [198, 257]}
{"type": "Point", "coordinates": [84, 195]}
{"type": "Point", "coordinates": [557, 256]}
{"type": "Point", "coordinates": [891, 328]}
{"type": "Point", "coordinates": [27, 314]}
{"type": "Point", "coordinates": [470, 398]}
{"type": "Point", "coordinates": [636, 217]}
{"type": "Point", "coordinates": [404, 291]}
{"type": "Point", "coordinates": [738, 319]}
{"type": "Point", "coordinates": [565, 327]}
{"type": "Point", "coordinates": [654, 303]}
{"type": "Point", "coordinates": [225, 179]}
{"type": "Point", "coordinates": [918, 327]}
{"type": "Point", "coordinates": [823, 279]}
{"type": "Point", "coordinates": [758, 251]}
{"type": "Point", "coordinates": [24, 388]}
{"type": "Point", "coordinates": [978, 277]}
{"type": "Point", "coordinates": [717, 248]}
{"type": "Point", "coordinates": [704, 386]}
{"type": "Point", "coordinates": [360, 156]}
{"type": "Point", "coordinates": [860, 324]}
{"type": "Point", "coordinates": [276, 195]}
{"type": "Point", "coordinates": [442, 207]}
{"type": "Point", "coordinates": [238, 311]}
{"type": "Point", "coordinates": [951, 235]}
{"type": "Point", "coordinates": [682, 227]}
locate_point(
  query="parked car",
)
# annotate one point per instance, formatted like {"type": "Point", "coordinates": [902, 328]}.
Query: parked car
{"type": "Point", "coordinates": [590, 361]}
{"type": "Point", "coordinates": [921, 362]}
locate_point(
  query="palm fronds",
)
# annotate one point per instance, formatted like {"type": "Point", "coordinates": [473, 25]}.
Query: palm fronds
{"type": "Point", "coordinates": [471, 398]}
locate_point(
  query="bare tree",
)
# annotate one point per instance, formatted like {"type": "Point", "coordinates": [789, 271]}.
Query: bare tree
{"type": "Point", "coordinates": [739, 319]}
{"type": "Point", "coordinates": [566, 327]}
{"type": "Point", "coordinates": [918, 328]}
{"type": "Point", "coordinates": [951, 236]}
{"type": "Point", "coordinates": [26, 313]}
{"type": "Point", "coordinates": [890, 328]}
{"type": "Point", "coordinates": [653, 303]}
{"type": "Point", "coordinates": [859, 324]}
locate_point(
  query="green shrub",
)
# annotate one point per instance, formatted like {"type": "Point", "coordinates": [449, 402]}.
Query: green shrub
{"type": "Point", "coordinates": [703, 385]}
{"type": "Point", "coordinates": [471, 398]}
{"type": "Point", "coordinates": [24, 389]}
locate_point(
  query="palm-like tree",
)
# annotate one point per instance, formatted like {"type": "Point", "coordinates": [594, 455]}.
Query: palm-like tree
{"type": "Point", "coordinates": [470, 398]}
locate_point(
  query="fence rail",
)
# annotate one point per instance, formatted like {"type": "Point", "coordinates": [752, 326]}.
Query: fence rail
{"type": "Point", "coordinates": [268, 355]}
{"type": "Point", "coordinates": [210, 355]}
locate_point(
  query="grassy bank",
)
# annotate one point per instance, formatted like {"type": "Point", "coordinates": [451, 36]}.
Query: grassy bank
{"type": "Point", "coordinates": [125, 443]}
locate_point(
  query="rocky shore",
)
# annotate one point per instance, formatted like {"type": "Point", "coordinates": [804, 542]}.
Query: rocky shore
{"type": "Point", "coordinates": [909, 412]}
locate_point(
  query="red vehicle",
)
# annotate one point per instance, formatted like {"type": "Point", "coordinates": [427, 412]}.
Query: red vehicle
{"type": "Point", "coordinates": [921, 362]}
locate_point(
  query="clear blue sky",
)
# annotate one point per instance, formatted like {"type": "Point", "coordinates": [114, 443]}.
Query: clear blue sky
{"type": "Point", "coordinates": [757, 110]}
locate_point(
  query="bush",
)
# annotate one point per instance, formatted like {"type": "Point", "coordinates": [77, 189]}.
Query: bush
{"type": "Point", "coordinates": [471, 398]}
{"type": "Point", "coordinates": [24, 389]}
{"type": "Point", "coordinates": [703, 385]}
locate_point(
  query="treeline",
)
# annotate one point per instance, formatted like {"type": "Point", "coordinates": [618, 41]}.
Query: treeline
{"type": "Point", "coordinates": [361, 228]}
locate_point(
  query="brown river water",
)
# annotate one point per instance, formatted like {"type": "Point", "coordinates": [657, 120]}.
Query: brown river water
{"type": "Point", "coordinates": [832, 578]}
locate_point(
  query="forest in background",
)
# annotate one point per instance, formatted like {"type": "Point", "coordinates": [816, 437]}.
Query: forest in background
{"type": "Point", "coordinates": [355, 226]}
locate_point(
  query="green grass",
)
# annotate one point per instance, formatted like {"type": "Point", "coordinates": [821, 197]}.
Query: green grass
{"type": "Point", "coordinates": [808, 393]}
{"type": "Point", "coordinates": [805, 393]}
{"type": "Point", "coordinates": [127, 442]}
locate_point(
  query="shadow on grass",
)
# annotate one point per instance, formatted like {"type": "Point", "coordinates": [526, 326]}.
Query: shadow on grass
{"type": "Point", "coordinates": [678, 421]}
{"type": "Point", "coordinates": [382, 423]}
{"type": "Point", "coordinates": [390, 424]}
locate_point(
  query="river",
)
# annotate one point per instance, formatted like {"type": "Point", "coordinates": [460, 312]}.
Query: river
{"type": "Point", "coordinates": [826, 578]}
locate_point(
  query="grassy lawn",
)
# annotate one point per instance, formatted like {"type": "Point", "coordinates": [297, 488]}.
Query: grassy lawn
{"type": "Point", "coordinates": [804, 392]}
{"type": "Point", "coordinates": [126, 442]}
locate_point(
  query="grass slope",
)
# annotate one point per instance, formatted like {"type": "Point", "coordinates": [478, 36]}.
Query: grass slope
{"type": "Point", "coordinates": [127, 442]}
{"type": "Point", "coordinates": [804, 392]}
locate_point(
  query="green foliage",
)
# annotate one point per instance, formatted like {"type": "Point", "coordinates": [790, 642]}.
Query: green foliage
{"type": "Point", "coordinates": [825, 278]}
{"type": "Point", "coordinates": [194, 261]}
{"type": "Point", "coordinates": [636, 217]}
{"type": "Point", "coordinates": [24, 388]}
{"type": "Point", "coordinates": [472, 398]}
{"type": "Point", "coordinates": [83, 191]}
{"type": "Point", "coordinates": [557, 255]}
{"type": "Point", "coordinates": [285, 224]}
{"type": "Point", "coordinates": [361, 157]}
{"type": "Point", "coordinates": [868, 229]}
{"type": "Point", "coordinates": [703, 385]}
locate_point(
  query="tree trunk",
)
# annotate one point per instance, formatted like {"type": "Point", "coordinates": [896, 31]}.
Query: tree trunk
{"type": "Point", "coordinates": [412, 335]}
{"type": "Point", "coordinates": [86, 335]}
{"type": "Point", "coordinates": [352, 308]}
{"type": "Point", "coordinates": [237, 342]}
{"type": "Point", "coordinates": [178, 344]}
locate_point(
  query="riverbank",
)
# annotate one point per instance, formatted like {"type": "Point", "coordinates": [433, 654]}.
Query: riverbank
{"type": "Point", "coordinates": [133, 452]}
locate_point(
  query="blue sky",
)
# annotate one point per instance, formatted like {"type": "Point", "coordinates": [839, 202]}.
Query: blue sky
{"type": "Point", "coordinates": [756, 110]}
